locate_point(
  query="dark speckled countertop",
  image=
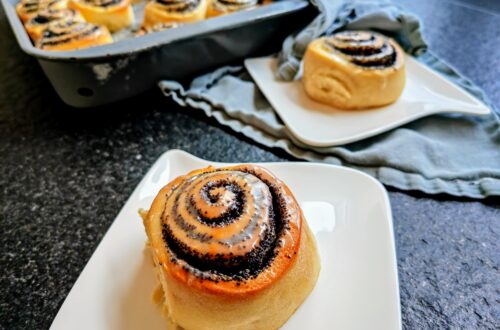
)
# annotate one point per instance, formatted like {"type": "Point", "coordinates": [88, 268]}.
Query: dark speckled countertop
{"type": "Point", "coordinates": [64, 175]}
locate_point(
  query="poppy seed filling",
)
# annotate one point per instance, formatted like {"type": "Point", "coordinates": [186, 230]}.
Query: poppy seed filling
{"type": "Point", "coordinates": [185, 225]}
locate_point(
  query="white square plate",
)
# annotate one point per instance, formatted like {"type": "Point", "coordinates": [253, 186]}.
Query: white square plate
{"type": "Point", "coordinates": [316, 124]}
{"type": "Point", "coordinates": [347, 210]}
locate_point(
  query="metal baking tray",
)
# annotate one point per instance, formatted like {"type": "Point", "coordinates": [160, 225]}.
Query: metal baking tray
{"type": "Point", "coordinates": [104, 74]}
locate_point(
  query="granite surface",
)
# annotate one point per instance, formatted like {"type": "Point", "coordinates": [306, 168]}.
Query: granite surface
{"type": "Point", "coordinates": [65, 174]}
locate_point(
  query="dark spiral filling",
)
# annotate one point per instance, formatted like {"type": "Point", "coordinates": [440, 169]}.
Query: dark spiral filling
{"type": "Point", "coordinates": [364, 48]}
{"type": "Point", "coordinates": [232, 264]}
{"type": "Point", "coordinates": [48, 16]}
{"type": "Point", "coordinates": [157, 28]}
{"type": "Point", "coordinates": [66, 31]}
{"type": "Point", "coordinates": [208, 194]}
{"type": "Point", "coordinates": [42, 19]}
{"type": "Point", "coordinates": [179, 5]}
{"type": "Point", "coordinates": [103, 3]}
{"type": "Point", "coordinates": [33, 6]}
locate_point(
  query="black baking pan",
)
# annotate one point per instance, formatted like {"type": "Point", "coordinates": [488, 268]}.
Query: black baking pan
{"type": "Point", "coordinates": [104, 74]}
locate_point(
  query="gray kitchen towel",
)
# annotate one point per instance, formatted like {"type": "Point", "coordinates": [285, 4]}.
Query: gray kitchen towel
{"type": "Point", "coordinates": [453, 154]}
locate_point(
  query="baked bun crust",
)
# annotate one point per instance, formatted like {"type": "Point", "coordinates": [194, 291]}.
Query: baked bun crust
{"type": "Point", "coordinates": [223, 7]}
{"type": "Point", "coordinates": [71, 35]}
{"type": "Point", "coordinates": [174, 11]}
{"type": "Point", "coordinates": [27, 9]}
{"type": "Point", "coordinates": [36, 25]}
{"type": "Point", "coordinates": [231, 248]}
{"type": "Point", "coordinates": [113, 14]}
{"type": "Point", "coordinates": [156, 28]}
{"type": "Point", "coordinates": [354, 70]}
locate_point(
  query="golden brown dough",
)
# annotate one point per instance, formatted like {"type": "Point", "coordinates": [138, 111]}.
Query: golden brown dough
{"type": "Point", "coordinates": [36, 25]}
{"type": "Point", "coordinates": [114, 14]}
{"type": "Point", "coordinates": [232, 249]}
{"type": "Point", "coordinates": [27, 9]}
{"type": "Point", "coordinates": [73, 35]}
{"type": "Point", "coordinates": [174, 11]}
{"type": "Point", "coordinates": [223, 7]}
{"type": "Point", "coordinates": [354, 70]}
{"type": "Point", "coordinates": [156, 28]}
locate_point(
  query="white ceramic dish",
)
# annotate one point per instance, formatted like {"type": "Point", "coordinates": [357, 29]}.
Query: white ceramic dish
{"type": "Point", "coordinates": [316, 124]}
{"type": "Point", "coordinates": [347, 210]}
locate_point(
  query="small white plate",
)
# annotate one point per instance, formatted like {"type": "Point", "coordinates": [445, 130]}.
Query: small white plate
{"type": "Point", "coordinates": [347, 210]}
{"type": "Point", "coordinates": [316, 124]}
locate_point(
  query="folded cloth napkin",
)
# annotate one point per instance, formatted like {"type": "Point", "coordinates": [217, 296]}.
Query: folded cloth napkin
{"type": "Point", "coordinates": [453, 154]}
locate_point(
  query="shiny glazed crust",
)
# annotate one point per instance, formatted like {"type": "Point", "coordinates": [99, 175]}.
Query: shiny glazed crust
{"type": "Point", "coordinates": [218, 8]}
{"type": "Point", "coordinates": [353, 80]}
{"type": "Point", "coordinates": [172, 11]}
{"type": "Point", "coordinates": [73, 35]}
{"type": "Point", "coordinates": [114, 14]}
{"type": "Point", "coordinates": [263, 300]}
{"type": "Point", "coordinates": [36, 25]}
{"type": "Point", "coordinates": [27, 9]}
{"type": "Point", "coordinates": [156, 28]}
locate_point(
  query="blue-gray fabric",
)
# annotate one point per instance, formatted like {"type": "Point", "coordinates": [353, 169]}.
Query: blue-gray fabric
{"type": "Point", "coordinates": [452, 154]}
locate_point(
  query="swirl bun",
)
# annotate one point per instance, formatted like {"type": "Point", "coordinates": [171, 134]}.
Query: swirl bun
{"type": "Point", "coordinates": [113, 14]}
{"type": "Point", "coordinates": [156, 28]}
{"type": "Point", "coordinates": [174, 11]}
{"type": "Point", "coordinates": [364, 48]}
{"type": "Point", "coordinates": [71, 35]}
{"type": "Point", "coordinates": [228, 245]}
{"type": "Point", "coordinates": [354, 69]}
{"type": "Point", "coordinates": [36, 25]}
{"type": "Point", "coordinates": [223, 7]}
{"type": "Point", "coordinates": [27, 9]}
